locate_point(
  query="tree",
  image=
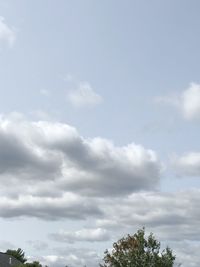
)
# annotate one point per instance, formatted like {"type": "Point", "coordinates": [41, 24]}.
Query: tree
{"type": "Point", "coordinates": [18, 254]}
{"type": "Point", "coordinates": [31, 264]}
{"type": "Point", "coordinates": [138, 251]}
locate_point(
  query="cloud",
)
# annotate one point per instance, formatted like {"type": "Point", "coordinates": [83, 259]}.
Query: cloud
{"type": "Point", "coordinates": [4, 245]}
{"type": "Point", "coordinates": [72, 257]}
{"type": "Point", "coordinates": [187, 253]}
{"type": "Point", "coordinates": [69, 206]}
{"type": "Point", "coordinates": [48, 170]}
{"type": "Point", "coordinates": [171, 216]}
{"type": "Point", "coordinates": [7, 34]}
{"type": "Point", "coordinates": [168, 100]}
{"type": "Point", "coordinates": [49, 151]}
{"type": "Point", "coordinates": [84, 96]}
{"type": "Point", "coordinates": [188, 102]}
{"type": "Point", "coordinates": [90, 235]}
{"type": "Point", "coordinates": [188, 164]}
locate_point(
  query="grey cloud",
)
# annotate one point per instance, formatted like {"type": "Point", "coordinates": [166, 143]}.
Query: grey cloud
{"type": "Point", "coordinates": [86, 234]}
{"type": "Point", "coordinates": [19, 154]}
{"type": "Point", "coordinates": [52, 157]}
{"type": "Point", "coordinates": [73, 257]}
{"type": "Point", "coordinates": [110, 170]}
{"type": "Point", "coordinates": [173, 216]}
{"type": "Point", "coordinates": [187, 253]}
{"type": "Point", "coordinates": [69, 206]}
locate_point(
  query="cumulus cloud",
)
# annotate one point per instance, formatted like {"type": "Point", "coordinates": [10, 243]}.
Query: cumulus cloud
{"type": "Point", "coordinates": [84, 96]}
{"type": "Point", "coordinates": [90, 235]}
{"type": "Point", "coordinates": [51, 169]}
{"type": "Point", "coordinates": [188, 164]}
{"type": "Point", "coordinates": [188, 102]}
{"type": "Point", "coordinates": [7, 34]}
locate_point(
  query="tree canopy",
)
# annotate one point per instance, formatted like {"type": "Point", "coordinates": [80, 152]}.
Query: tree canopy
{"type": "Point", "coordinates": [19, 254]}
{"type": "Point", "coordinates": [138, 251]}
{"type": "Point", "coordinates": [30, 264]}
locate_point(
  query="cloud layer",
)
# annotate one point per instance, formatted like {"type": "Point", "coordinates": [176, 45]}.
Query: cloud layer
{"type": "Point", "coordinates": [172, 216]}
{"type": "Point", "coordinates": [49, 171]}
{"type": "Point", "coordinates": [87, 234]}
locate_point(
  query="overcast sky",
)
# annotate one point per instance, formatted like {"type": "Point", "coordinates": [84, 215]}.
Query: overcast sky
{"type": "Point", "coordinates": [99, 126]}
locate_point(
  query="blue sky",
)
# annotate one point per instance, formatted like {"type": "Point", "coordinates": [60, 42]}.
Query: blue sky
{"type": "Point", "coordinates": [100, 108]}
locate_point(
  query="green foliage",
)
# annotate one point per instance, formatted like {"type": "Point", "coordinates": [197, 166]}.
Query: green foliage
{"type": "Point", "coordinates": [18, 254]}
{"type": "Point", "coordinates": [33, 264]}
{"type": "Point", "coordinates": [138, 251]}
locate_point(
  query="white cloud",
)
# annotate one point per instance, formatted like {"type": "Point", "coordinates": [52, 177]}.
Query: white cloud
{"type": "Point", "coordinates": [84, 96]}
{"type": "Point", "coordinates": [90, 235]}
{"type": "Point", "coordinates": [51, 169]}
{"type": "Point", "coordinates": [7, 34]}
{"type": "Point", "coordinates": [188, 102]}
{"type": "Point", "coordinates": [188, 164]}
{"type": "Point", "coordinates": [73, 257]}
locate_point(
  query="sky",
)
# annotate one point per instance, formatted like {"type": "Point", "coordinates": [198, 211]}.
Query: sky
{"type": "Point", "coordinates": [99, 127]}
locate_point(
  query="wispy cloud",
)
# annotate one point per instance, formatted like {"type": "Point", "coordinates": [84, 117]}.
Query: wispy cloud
{"type": "Point", "coordinates": [172, 100]}
{"type": "Point", "coordinates": [84, 96]}
{"type": "Point", "coordinates": [45, 92]}
{"type": "Point", "coordinates": [187, 102]}
{"type": "Point", "coordinates": [7, 33]}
